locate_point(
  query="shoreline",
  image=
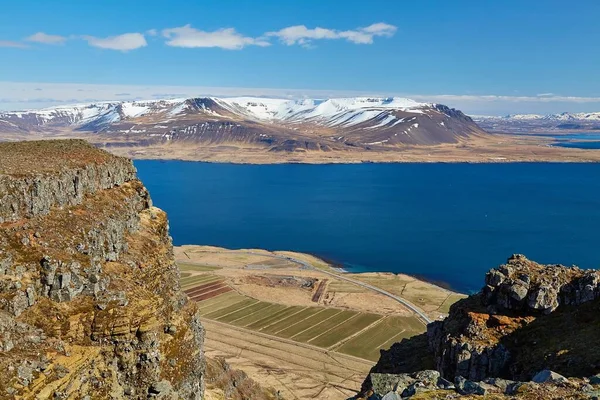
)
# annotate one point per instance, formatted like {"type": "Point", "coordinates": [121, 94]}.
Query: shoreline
{"type": "Point", "coordinates": [499, 160]}
{"type": "Point", "coordinates": [331, 264]}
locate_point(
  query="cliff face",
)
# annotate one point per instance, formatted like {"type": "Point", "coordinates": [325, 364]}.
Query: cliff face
{"type": "Point", "coordinates": [90, 303]}
{"type": "Point", "coordinates": [531, 331]}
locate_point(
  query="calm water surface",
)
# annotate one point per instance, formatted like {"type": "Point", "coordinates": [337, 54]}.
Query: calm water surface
{"type": "Point", "coordinates": [448, 222]}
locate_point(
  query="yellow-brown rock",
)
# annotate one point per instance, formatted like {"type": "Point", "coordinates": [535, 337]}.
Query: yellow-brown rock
{"type": "Point", "coordinates": [90, 303]}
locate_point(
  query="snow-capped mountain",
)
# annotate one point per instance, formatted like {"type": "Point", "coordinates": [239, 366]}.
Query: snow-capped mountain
{"type": "Point", "coordinates": [536, 122]}
{"type": "Point", "coordinates": [279, 123]}
{"type": "Point", "coordinates": [565, 116]}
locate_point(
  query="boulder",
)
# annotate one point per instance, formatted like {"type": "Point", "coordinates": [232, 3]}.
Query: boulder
{"type": "Point", "coordinates": [595, 380]}
{"type": "Point", "coordinates": [385, 383]}
{"type": "Point", "coordinates": [546, 376]}
{"type": "Point", "coordinates": [466, 387]}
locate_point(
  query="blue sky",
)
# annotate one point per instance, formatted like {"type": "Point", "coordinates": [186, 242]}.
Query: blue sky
{"type": "Point", "coordinates": [486, 57]}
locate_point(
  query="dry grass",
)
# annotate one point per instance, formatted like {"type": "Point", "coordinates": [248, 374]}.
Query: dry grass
{"type": "Point", "coordinates": [498, 148]}
{"type": "Point", "coordinates": [28, 158]}
{"type": "Point", "coordinates": [298, 371]}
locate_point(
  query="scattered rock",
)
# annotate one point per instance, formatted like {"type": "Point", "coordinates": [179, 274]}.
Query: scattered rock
{"type": "Point", "coordinates": [466, 387]}
{"type": "Point", "coordinates": [548, 376]}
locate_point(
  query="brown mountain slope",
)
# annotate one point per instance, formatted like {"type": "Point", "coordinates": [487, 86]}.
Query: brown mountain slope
{"type": "Point", "coordinates": [277, 125]}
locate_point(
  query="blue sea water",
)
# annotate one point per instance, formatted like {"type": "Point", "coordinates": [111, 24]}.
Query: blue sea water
{"type": "Point", "coordinates": [579, 145]}
{"type": "Point", "coordinates": [585, 140]}
{"type": "Point", "coordinates": [447, 222]}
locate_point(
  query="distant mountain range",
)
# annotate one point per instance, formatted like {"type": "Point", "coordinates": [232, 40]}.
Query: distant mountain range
{"type": "Point", "coordinates": [278, 124]}
{"type": "Point", "coordinates": [534, 122]}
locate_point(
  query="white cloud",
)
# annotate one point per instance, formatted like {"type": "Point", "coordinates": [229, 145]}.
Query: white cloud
{"type": "Point", "coordinates": [44, 38]}
{"type": "Point", "coordinates": [124, 42]}
{"type": "Point", "coordinates": [151, 32]}
{"type": "Point", "coordinates": [227, 38]}
{"type": "Point", "coordinates": [300, 34]}
{"type": "Point", "coordinates": [8, 43]}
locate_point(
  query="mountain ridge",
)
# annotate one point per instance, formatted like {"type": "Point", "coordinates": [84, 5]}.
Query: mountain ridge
{"type": "Point", "coordinates": [278, 124]}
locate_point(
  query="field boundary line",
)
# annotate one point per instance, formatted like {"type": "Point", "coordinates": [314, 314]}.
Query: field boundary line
{"type": "Point", "coordinates": [254, 312]}
{"type": "Point", "coordinates": [293, 342]}
{"type": "Point", "coordinates": [416, 310]}
{"type": "Point", "coordinates": [289, 316]}
{"type": "Point", "coordinates": [319, 323]}
{"type": "Point", "coordinates": [392, 338]}
{"type": "Point", "coordinates": [328, 368]}
{"type": "Point", "coordinates": [302, 320]}
{"type": "Point", "coordinates": [349, 338]}
{"type": "Point", "coordinates": [332, 328]}
{"type": "Point", "coordinates": [239, 309]}
{"type": "Point", "coordinates": [299, 367]}
{"type": "Point", "coordinates": [260, 319]}
{"type": "Point", "coordinates": [201, 306]}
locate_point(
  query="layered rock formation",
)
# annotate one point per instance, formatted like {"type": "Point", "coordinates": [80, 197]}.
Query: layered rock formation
{"type": "Point", "coordinates": [90, 303]}
{"type": "Point", "coordinates": [530, 325]}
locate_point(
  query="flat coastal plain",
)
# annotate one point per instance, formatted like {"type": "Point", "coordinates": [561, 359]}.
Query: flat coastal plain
{"type": "Point", "coordinates": [492, 148]}
{"type": "Point", "coordinates": [290, 320]}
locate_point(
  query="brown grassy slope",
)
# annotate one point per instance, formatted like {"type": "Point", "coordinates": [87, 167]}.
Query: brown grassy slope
{"type": "Point", "coordinates": [43, 156]}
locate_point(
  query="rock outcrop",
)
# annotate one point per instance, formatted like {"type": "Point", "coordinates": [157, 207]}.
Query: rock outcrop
{"type": "Point", "coordinates": [529, 331]}
{"type": "Point", "coordinates": [90, 303]}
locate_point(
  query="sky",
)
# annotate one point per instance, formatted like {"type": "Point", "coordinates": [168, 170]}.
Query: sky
{"type": "Point", "coordinates": [484, 57]}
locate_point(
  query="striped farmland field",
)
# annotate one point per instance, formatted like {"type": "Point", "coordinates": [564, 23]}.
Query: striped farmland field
{"type": "Point", "coordinates": [355, 333]}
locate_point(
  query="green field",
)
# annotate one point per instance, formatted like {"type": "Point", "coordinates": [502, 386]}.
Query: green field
{"type": "Point", "coordinates": [286, 312]}
{"type": "Point", "coordinates": [230, 309]}
{"type": "Point", "coordinates": [350, 332]}
{"type": "Point", "coordinates": [453, 298]}
{"type": "Point", "coordinates": [291, 320]}
{"type": "Point", "coordinates": [218, 302]}
{"type": "Point", "coordinates": [324, 326]}
{"type": "Point", "coordinates": [342, 331]}
{"type": "Point", "coordinates": [259, 315]}
{"type": "Point", "coordinates": [308, 322]}
{"type": "Point", "coordinates": [244, 312]}
{"type": "Point", "coordinates": [381, 336]}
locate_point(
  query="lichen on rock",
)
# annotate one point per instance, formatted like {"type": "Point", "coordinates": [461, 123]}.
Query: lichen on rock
{"type": "Point", "coordinates": [529, 333]}
{"type": "Point", "coordinates": [88, 281]}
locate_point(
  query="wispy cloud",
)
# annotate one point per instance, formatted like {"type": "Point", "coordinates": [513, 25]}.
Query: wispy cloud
{"type": "Point", "coordinates": [9, 43]}
{"type": "Point", "coordinates": [124, 42]}
{"type": "Point", "coordinates": [227, 38]}
{"type": "Point", "coordinates": [300, 34]}
{"type": "Point", "coordinates": [45, 38]}
{"type": "Point", "coordinates": [549, 98]}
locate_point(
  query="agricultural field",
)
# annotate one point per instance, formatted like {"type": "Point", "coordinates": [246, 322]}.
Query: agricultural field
{"type": "Point", "coordinates": [354, 333]}
{"type": "Point", "coordinates": [293, 326]}
{"type": "Point", "coordinates": [432, 299]}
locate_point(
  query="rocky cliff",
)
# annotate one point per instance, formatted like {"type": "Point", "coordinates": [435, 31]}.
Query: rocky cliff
{"type": "Point", "coordinates": [529, 333]}
{"type": "Point", "coordinates": [90, 303]}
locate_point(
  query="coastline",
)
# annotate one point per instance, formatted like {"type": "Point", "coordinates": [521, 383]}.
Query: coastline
{"type": "Point", "coordinates": [492, 149]}
{"type": "Point", "coordinates": [320, 262]}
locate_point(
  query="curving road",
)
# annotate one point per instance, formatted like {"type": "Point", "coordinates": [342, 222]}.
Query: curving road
{"type": "Point", "coordinates": [416, 310]}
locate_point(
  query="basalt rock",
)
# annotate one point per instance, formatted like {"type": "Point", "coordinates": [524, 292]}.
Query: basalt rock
{"type": "Point", "coordinates": [90, 303]}
{"type": "Point", "coordinates": [525, 286]}
{"type": "Point", "coordinates": [529, 333]}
